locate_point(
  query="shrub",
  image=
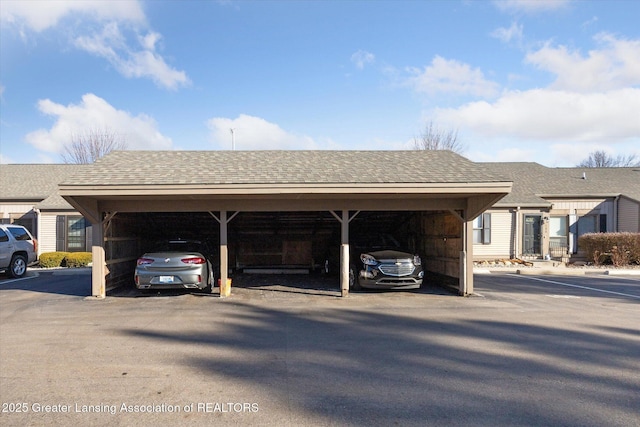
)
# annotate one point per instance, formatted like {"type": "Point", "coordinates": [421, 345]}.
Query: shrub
{"type": "Point", "coordinates": [619, 249]}
{"type": "Point", "coordinates": [78, 259]}
{"type": "Point", "coordinates": [52, 259]}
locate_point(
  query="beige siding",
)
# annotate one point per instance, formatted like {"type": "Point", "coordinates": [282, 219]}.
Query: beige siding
{"type": "Point", "coordinates": [10, 210]}
{"type": "Point", "coordinates": [585, 204]}
{"type": "Point", "coordinates": [628, 215]}
{"type": "Point", "coordinates": [501, 237]}
{"type": "Point", "coordinates": [47, 235]}
{"type": "Point", "coordinates": [581, 207]}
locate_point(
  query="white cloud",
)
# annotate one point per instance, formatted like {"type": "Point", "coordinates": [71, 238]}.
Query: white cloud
{"type": "Point", "coordinates": [362, 58]}
{"type": "Point", "coordinates": [615, 65]}
{"type": "Point", "coordinates": [255, 133]}
{"type": "Point", "coordinates": [39, 15]}
{"type": "Point", "coordinates": [135, 58]}
{"type": "Point", "coordinates": [571, 156]}
{"type": "Point", "coordinates": [139, 132]}
{"type": "Point", "coordinates": [553, 115]}
{"type": "Point", "coordinates": [5, 160]}
{"type": "Point", "coordinates": [481, 153]}
{"type": "Point", "coordinates": [144, 62]}
{"type": "Point", "coordinates": [508, 35]}
{"type": "Point", "coordinates": [530, 6]}
{"type": "Point", "coordinates": [450, 77]}
{"type": "Point", "coordinates": [593, 101]}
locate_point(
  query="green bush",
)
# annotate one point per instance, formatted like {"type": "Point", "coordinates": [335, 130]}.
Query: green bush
{"type": "Point", "coordinates": [619, 249]}
{"type": "Point", "coordinates": [78, 259]}
{"type": "Point", "coordinates": [52, 259]}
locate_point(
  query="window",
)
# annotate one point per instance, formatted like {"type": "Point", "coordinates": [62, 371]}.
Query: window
{"type": "Point", "coordinates": [558, 229]}
{"type": "Point", "coordinates": [558, 235]}
{"type": "Point", "coordinates": [482, 229]}
{"type": "Point", "coordinates": [603, 223]}
{"type": "Point", "coordinates": [71, 234]}
{"type": "Point", "coordinates": [19, 233]}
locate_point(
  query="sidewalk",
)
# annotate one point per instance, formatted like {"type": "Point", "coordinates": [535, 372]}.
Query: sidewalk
{"type": "Point", "coordinates": [555, 268]}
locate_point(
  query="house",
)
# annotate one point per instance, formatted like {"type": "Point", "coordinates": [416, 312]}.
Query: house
{"type": "Point", "coordinates": [29, 196]}
{"type": "Point", "coordinates": [549, 208]}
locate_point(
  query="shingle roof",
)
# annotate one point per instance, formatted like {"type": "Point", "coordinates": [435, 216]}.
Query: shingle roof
{"type": "Point", "coordinates": [35, 182]}
{"type": "Point", "coordinates": [532, 182]}
{"type": "Point", "coordinates": [280, 167]}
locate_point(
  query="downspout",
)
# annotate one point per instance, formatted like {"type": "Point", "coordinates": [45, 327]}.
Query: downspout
{"type": "Point", "coordinates": [615, 213]}
{"type": "Point", "coordinates": [37, 236]}
{"type": "Point", "coordinates": [516, 233]}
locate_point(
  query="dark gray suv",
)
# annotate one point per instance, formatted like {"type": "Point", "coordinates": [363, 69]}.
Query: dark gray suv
{"type": "Point", "coordinates": [18, 249]}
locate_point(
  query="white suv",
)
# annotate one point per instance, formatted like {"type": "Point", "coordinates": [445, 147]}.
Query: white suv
{"type": "Point", "coordinates": [18, 249]}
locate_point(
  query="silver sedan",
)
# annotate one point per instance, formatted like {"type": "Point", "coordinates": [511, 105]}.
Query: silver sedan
{"type": "Point", "coordinates": [178, 264]}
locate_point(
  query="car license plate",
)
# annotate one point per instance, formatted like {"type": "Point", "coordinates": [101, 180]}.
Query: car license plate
{"type": "Point", "coordinates": [166, 279]}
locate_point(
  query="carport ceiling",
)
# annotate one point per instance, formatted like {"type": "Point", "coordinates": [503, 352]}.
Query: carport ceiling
{"type": "Point", "coordinates": [156, 225]}
{"type": "Point", "coordinates": [262, 181]}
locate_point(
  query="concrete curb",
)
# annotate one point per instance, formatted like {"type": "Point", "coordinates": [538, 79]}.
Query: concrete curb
{"type": "Point", "coordinates": [622, 272]}
{"type": "Point", "coordinates": [550, 272]}
{"type": "Point", "coordinates": [558, 271]}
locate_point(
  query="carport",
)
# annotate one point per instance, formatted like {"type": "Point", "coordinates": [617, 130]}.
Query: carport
{"type": "Point", "coordinates": [129, 195]}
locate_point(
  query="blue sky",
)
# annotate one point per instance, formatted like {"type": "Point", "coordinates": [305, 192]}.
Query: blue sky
{"type": "Point", "coordinates": [544, 81]}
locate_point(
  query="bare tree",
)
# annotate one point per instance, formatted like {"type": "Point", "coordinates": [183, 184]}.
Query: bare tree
{"type": "Point", "coordinates": [600, 159]}
{"type": "Point", "coordinates": [433, 138]}
{"type": "Point", "coordinates": [89, 146]}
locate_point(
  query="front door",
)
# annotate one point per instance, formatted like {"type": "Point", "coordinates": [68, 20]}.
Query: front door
{"type": "Point", "coordinates": [532, 235]}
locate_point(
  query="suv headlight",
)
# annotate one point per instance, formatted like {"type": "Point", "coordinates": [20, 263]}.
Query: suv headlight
{"type": "Point", "coordinates": [417, 260]}
{"type": "Point", "coordinates": [368, 259]}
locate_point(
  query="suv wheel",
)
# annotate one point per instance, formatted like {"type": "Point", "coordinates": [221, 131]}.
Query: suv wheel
{"type": "Point", "coordinates": [18, 266]}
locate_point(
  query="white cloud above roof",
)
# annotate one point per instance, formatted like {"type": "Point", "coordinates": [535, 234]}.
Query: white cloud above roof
{"type": "Point", "coordinates": [362, 58]}
{"type": "Point", "coordinates": [450, 76]}
{"type": "Point", "coordinates": [136, 56]}
{"type": "Point", "coordinates": [550, 115]}
{"type": "Point", "coordinates": [593, 100]}
{"type": "Point", "coordinates": [133, 61]}
{"type": "Point", "coordinates": [139, 132]}
{"type": "Point", "coordinates": [255, 133]}
{"type": "Point", "coordinates": [530, 6]}
{"type": "Point", "coordinates": [40, 15]}
{"type": "Point", "coordinates": [615, 64]}
{"type": "Point", "coordinates": [513, 34]}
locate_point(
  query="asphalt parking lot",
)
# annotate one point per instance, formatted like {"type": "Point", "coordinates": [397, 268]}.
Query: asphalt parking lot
{"type": "Point", "coordinates": [524, 351]}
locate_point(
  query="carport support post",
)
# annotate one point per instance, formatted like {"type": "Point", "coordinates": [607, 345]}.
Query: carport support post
{"type": "Point", "coordinates": [466, 259]}
{"type": "Point", "coordinates": [344, 254]}
{"type": "Point", "coordinates": [98, 263]}
{"type": "Point", "coordinates": [224, 254]}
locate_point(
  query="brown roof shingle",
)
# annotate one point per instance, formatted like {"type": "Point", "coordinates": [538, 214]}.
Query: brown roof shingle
{"type": "Point", "coordinates": [280, 167]}
{"type": "Point", "coordinates": [35, 182]}
{"type": "Point", "coordinates": [532, 182]}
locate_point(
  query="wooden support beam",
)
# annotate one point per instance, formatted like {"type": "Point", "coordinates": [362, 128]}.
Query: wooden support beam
{"type": "Point", "coordinates": [224, 254]}
{"type": "Point", "coordinates": [99, 268]}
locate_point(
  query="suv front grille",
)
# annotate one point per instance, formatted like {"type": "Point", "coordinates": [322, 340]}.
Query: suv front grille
{"type": "Point", "coordinates": [403, 269]}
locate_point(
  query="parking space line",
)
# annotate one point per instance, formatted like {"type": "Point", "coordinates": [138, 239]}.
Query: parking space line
{"type": "Point", "coordinates": [4, 282]}
{"type": "Point", "coordinates": [577, 286]}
